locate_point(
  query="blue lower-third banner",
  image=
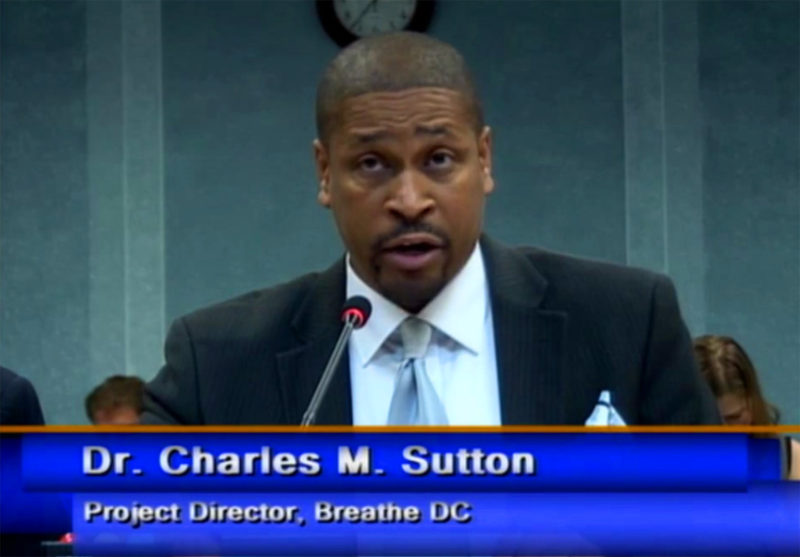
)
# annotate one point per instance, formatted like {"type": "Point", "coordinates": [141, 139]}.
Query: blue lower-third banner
{"type": "Point", "coordinates": [763, 521]}
{"type": "Point", "coordinates": [421, 462]}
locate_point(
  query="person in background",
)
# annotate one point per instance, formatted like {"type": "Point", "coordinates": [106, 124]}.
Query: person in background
{"type": "Point", "coordinates": [116, 401]}
{"type": "Point", "coordinates": [733, 379]}
{"type": "Point", "coordinates": [19, 403]}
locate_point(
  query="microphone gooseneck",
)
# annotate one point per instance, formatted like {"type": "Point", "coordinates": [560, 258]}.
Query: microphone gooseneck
{"type": "Point", "coordinates": [355, 313]}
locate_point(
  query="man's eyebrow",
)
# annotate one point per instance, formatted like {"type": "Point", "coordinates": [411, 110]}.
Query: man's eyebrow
{"type": "Point", "coordinates": [370, 137]}
{"type": "Point", "coordinates": [432, 130]}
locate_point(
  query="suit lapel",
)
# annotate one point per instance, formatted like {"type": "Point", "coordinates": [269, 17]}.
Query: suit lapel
{"type": "Point", "coordinates": [529, 339]}
{"type": "Point", "coordinates": [317, 326]}
{"type": "Point", "coordinates": [529, 345]}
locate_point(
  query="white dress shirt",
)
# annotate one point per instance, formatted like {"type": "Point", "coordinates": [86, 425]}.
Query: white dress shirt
{"type": "Point", "coordinates": [460, 360]}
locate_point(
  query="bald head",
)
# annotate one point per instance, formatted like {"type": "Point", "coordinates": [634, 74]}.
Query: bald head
{"type": "Point", "coordinates": [392, 62]}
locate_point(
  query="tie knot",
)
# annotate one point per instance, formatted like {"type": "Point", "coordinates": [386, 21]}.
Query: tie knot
{"type": "Point", "coordinates": [416, 335]}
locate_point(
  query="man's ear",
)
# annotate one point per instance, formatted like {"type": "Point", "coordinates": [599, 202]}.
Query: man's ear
{"type": "Point", "coordinates": [485, 158]}
{"type": "Point", "coordinates": [322, 161]}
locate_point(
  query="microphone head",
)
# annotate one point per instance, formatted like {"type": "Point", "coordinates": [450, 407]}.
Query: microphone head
{"type": "Point", "coordinates": [356, 309]}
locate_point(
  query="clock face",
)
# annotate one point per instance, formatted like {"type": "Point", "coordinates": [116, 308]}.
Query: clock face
{"type": "Point", "coordinates": [363, 18]}
{"type": "Point", "coordinates": [348, 20]}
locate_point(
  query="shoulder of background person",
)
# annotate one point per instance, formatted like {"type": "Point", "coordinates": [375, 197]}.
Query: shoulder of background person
{"type": "Point", "coordinates": [19, 403]}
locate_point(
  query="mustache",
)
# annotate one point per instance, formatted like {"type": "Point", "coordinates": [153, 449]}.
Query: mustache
{"type": "Point", "coordinates": [410, 228]}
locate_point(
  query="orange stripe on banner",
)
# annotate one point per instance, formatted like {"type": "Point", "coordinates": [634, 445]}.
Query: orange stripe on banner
{"type": "Point", "coordinates": [400, 429]}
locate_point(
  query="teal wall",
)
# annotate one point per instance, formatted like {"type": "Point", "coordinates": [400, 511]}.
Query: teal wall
{"type": "Point", "coordinates": [155, 157]}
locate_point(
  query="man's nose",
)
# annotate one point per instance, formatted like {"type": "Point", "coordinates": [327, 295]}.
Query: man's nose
{"type": "Point", "coordinates": [410, 198]}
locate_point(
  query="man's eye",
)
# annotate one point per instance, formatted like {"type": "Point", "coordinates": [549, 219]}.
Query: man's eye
{"type": "Point", "coordinates": [371, 164]}
{"type": "Point", "coordinates": [440, 160]}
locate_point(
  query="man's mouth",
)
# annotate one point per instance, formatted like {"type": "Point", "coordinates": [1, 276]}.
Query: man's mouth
{"type": "Point", "coordinates": [412, 252]}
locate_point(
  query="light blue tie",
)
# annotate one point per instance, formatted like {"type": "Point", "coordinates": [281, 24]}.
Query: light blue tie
{"type": "Point", "coordinates": [415, 401]}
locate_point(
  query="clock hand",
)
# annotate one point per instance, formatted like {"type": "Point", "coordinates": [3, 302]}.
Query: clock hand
{"type": "Point", "coordinates": [363, 12]}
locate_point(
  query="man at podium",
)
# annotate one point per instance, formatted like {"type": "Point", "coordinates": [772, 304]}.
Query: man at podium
{"type": "Point", "coordinates": [463, 330]}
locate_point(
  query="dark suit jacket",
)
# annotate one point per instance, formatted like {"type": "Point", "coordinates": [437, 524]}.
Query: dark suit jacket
{"type": "Point", "coordinates": [19, 404]}
{"type": "Point", "coordinates": [565, 329]}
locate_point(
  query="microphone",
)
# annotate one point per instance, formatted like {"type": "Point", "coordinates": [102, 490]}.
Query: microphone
{"type": "Point", "coordinates": [355, 312]}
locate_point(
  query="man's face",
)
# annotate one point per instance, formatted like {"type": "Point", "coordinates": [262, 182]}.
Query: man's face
{"type": "Point", "coordinates": [406, 176]}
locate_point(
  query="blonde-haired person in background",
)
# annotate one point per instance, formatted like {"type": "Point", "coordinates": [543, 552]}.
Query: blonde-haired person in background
{"type": "Point", "coordinates": [734, 381]}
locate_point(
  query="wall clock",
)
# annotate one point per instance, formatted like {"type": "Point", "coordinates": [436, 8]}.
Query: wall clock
{"type": "Point", "coordinates": [348, 20]}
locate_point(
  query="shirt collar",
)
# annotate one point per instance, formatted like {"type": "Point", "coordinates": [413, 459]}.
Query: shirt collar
{"type": "Point", "coordinates": [459, 310]}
